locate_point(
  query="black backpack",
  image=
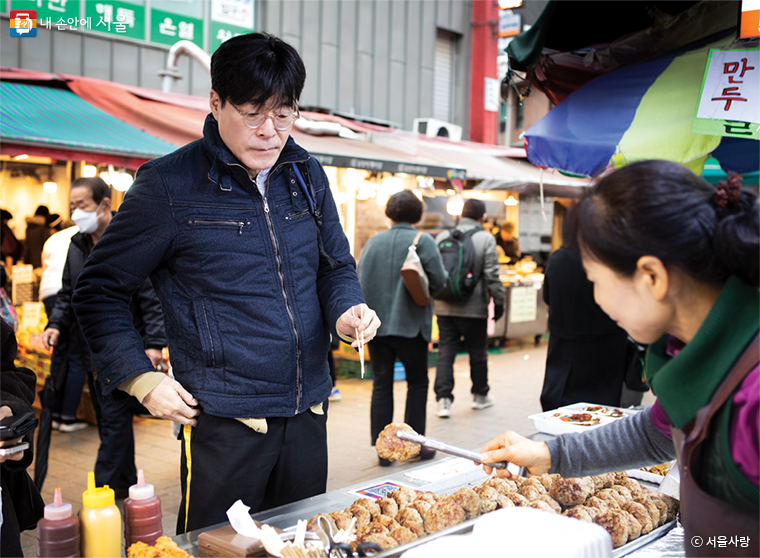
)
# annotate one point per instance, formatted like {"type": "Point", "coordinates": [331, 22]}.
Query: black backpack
{"type": "Point", "coordinates": [458, 255]}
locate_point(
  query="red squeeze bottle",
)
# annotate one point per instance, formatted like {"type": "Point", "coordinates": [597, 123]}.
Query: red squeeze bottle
{"type": "Point", "coordinates": [142, 514]}
{"type": "Point", "coordinates": [58, 531]}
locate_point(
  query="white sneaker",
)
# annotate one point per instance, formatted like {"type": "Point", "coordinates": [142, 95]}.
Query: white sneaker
{"type": "Point", "coordinates": [444, 407]}
{"type": "Point", "coordinates": [335, 395]}
{"type": "Point", "coordinates": [55, 424]}
{"type": "Point", "coordinates": [482, 402]}
{"type": "Point", "coordinates": [72, 425]}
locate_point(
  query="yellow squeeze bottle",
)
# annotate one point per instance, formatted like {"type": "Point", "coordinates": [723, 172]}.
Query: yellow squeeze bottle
{"type": "Point", "coordinates": [100, 520]}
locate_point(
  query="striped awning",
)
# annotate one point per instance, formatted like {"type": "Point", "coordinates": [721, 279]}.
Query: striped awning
{"type": "Point", "coordinates": [34, 115]}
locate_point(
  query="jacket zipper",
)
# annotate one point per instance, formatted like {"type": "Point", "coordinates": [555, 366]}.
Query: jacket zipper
{"type": "Point", "coordinates": [238, 224]}
{"type": "Point", "coordinates": [276, 246]}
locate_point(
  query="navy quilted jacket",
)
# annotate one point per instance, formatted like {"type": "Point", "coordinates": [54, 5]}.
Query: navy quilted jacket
{"type": "Point", "coordinates": [248, 309]}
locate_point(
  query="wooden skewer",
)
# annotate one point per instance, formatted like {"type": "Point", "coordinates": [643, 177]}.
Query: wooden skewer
{"type": "Point", "coordinates": [360, 339]}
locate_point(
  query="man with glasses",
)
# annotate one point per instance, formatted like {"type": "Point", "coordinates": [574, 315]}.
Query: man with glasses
{"type": "Point", "coordinates": [240, 236]}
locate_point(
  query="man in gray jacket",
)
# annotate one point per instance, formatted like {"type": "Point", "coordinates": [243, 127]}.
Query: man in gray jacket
{"type": "Point", "coordinates": [469, 319]}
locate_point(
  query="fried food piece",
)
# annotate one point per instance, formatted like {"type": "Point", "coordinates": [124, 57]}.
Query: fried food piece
{"type": "Point", "coordinates": [672, 504]}
{"type": "Point", "coordinates": [141, 550]}
{"type": "Point", "coordinates": [610, 495]}
{"type": "Point", "coordinates": [469, 500]}
{"type": "Point", "coordinates": [607, 480]}
{"type": "Point", "coordinates": [312, 523]}
{"type": "Point", "coordinates": [579, 512]}
{"type": "Point", "coordinates": [387, 522]}
{"type": "Point", "coordinates": [599, 503]}
{"type": "Point", "coordinates": [633, 487]}
{"type": "Point", "coordinates": [536, 483]}
{"type": "Point", "coordinates": [529, 492]}
{"type": "Point", "coordinates": [421, 506]}
{"type": "Point", "coordinates": [164, 548]}
{"type": "Point", "coordinates": [391, 447]}
{"type": "Point", "coordinates": [388, 507]}
{"type": "Point", "coordinates": [442, 515]}
{"type": "Point", "coordinates": [504, 501]}
{"type": "Point", "coordinates": [502, 485]}
{"type": "Point", "coordinates": [641, 514]}
{"type": "Point", "coordinates": [362, 515]}
{"type": "Point", "coordinates": [652, 509]}
{"type": "Point", "coordinates": [403, 535]}
{"type": "Point", "coordinates": [620, 476]}
{"type": "Point", "coordinates": [517, 499]}
{"type": "Point", "coordinates": [342, 519]}
{"type": "Point", "coordinates": [489, 498]}
{"type": "Point", "coordinates": [403, 496]}
{"type": "Point", "coordinates": [570, 492]}
{"type": "Point", "coordinates": [634, 527]}
{"type": "Point", "coordinates": [429, 497]}
{"type": "Point", "coordinates": [383, 540]}
{"type": "Point", "coordinates": [615, 525]}
{"type": "Point", "coordinates": [624, 492]}
{"type": "Point", "coordinates": [551, 502]}
{"type": "Point", "coordinates": [412, 520]}
{"type": "Point", "coordinates": [373, 528]}
{"type": "Point", "coordinates": [547, 481]}
{"type": "Point", "coordinates": [370, 505]}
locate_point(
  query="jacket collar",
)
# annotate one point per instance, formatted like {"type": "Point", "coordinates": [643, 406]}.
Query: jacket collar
{"type": "Point", "coordinates": [402, 225]}
{"type": "Point", "coordinates": [225, 165]}
{"type": "Point", "coordinates": [685, 383]}
{"type": "Point", "coordinates": [467, 224]}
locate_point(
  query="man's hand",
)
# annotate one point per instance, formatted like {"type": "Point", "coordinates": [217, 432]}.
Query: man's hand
{"type": "Point", "coordinates": [512, 447]}
{"type": "Point", "coordinates": [6, 411]}
{"type": "Point", "coordinates": [50, 337]}
{"type": "Point", "coordinates": [155, 356]}
{"type": "Point", "coordinates": [359, 318]}
{"type": "Point", "coordinates": [169, 400]}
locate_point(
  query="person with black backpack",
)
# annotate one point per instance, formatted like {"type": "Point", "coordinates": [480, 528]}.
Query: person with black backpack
{"type": "Point", "coordinates": [470, 258]}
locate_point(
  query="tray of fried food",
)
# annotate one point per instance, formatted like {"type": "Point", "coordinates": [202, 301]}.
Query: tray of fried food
{"type": "Point", "coordinates": [164, 548]}
{"type": "Point", "coordinates": [406, 517]}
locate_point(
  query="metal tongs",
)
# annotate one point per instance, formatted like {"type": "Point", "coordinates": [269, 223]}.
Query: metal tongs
{"type": "Point", "coordinates": [459, 452]}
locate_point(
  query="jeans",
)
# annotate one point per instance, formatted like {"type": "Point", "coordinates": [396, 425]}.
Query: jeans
{"type": "Point", "coordinates": [475, 333]}
{"type": "Point", "coordinates": [413, 354]}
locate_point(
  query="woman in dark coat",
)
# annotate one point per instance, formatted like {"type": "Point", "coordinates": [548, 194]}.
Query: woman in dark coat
{"type": "Point", "coordinates": [22, 503]}
{"type": "Point", "coordinates": [586, 360]}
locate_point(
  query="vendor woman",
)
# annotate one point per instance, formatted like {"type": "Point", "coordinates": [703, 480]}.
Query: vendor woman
{"type": "Point", "coordinates": [675, 262]}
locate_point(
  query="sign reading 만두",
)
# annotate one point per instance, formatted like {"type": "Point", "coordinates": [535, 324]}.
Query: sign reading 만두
{"type": "Point", "coordinates": [729, 103]}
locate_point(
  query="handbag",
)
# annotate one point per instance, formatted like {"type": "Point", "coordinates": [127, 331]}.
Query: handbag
{"type": "Point", "coordinates": [414, 275]}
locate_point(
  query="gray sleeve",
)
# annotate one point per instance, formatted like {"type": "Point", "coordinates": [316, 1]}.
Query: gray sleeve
{"type": "Point", "coordinates": [627, 443]}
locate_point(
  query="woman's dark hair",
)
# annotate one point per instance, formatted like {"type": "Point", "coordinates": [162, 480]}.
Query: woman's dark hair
{"type": "Point", "coordinates": [98, 188]}
{"type": "Point", "coordinates": [662, 209]}
{"type": "Point", "coordinates": [474, 209]}
{"type": "Point", "coordinates": [255, 68]}
{"type": "Point", "coordinates": [404, 207]}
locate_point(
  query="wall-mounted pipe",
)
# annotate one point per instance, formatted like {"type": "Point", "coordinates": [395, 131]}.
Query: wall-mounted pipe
{"type": "Point", "coordinates": [170, 73]}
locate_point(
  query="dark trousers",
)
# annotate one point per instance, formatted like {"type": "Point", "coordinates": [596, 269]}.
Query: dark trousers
{"type": "Point", "coordinates": [475, 333]}
{"type": "Point", "coordinates": [223, 461]}
{"type": "Point", "coordinates": [115, 465]}
{"type": "Point", "coordinates": [413, 354]}
{"type": "Point", "coordinates": [67, 349]}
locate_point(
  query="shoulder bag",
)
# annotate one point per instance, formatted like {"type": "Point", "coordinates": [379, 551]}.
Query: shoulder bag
{"type": "Point", "coordinates": [414, 275]}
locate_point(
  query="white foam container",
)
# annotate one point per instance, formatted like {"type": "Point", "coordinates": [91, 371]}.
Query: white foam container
{"type": "Point", "coordinates": [549, 422]}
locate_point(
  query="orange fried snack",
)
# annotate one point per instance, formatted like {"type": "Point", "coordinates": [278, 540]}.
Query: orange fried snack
{"type": "Point", "coordinates": [164, 548]}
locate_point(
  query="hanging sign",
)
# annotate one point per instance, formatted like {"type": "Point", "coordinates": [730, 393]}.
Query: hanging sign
{"type": "Point", "coordinates": [523, 305]}
{"type": "Point", "coordinates": [729, 103]}
{"type": "Point", "coordinates": [750, 20]}
{"type": "Point", "coordinates": [229, 18]}
{"type": "Point", "coordinates": [167, 28]}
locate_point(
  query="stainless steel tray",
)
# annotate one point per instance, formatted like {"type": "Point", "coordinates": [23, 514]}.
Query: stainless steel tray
{"type": "Point", "coordinates": [467, 526]}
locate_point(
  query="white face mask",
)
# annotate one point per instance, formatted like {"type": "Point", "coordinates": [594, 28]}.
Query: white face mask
{"type": "Point", "coordinates": [87, 221]}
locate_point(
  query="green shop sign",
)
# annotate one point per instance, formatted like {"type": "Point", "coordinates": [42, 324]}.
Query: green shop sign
{"type": "Point", "coordinates": [220, 32]}
{"type": "Point", "coordinates": [52, 14]}
{"type": "Point", "coordinates": [116, 18]}
{"type": "Point", "coordinates": [168, 28]}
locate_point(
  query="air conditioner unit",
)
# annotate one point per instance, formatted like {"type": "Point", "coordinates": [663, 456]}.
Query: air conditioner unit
{"type": "Point", "coordinates": [438, 128]}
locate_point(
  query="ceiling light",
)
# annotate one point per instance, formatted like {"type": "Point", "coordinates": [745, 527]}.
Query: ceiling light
{"type": "Point", "coordinates": [122, 181]}
{"type": "Point", "coordinates": [88, 171]}
{"type": "Point", "coordinates": [455, 205]}
{"type": "Point", "coordinates": [50, 187]}
{"type": "Point", "coordinates": [450, 192]}
{"type": "Point", "coordinates": [511, 200]}
{"type": "Point", "coordinates": [21, 157]}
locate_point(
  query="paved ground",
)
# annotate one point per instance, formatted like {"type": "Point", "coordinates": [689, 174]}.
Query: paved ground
{"type": "Point", "coordinates": [515, 377]}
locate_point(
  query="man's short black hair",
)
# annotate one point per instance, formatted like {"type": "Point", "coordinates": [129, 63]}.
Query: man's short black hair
{"type": "Point", "coordinates": [255, 68]}
{"type": "Point", "coordinates": [98, 188]}
{"type": "Point", "coordinates": [474, 209]}
{"type": "Point", "coordinates": [404, 207]}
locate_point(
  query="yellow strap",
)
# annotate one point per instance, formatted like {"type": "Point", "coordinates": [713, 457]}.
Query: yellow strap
{"type": "Point", "coordinates": [187, 433]}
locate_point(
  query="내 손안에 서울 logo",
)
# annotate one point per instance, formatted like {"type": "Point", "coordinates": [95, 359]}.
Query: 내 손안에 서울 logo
{"type": "Point", "coordinates": [23, 23]}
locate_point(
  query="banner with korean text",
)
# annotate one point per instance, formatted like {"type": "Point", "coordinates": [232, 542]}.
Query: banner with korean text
{"type": "Point", "coordinates": [729, 102]}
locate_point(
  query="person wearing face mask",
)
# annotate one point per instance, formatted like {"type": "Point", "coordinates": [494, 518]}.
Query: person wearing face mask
{"type": "Point", "coordinates": [90, 202]}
